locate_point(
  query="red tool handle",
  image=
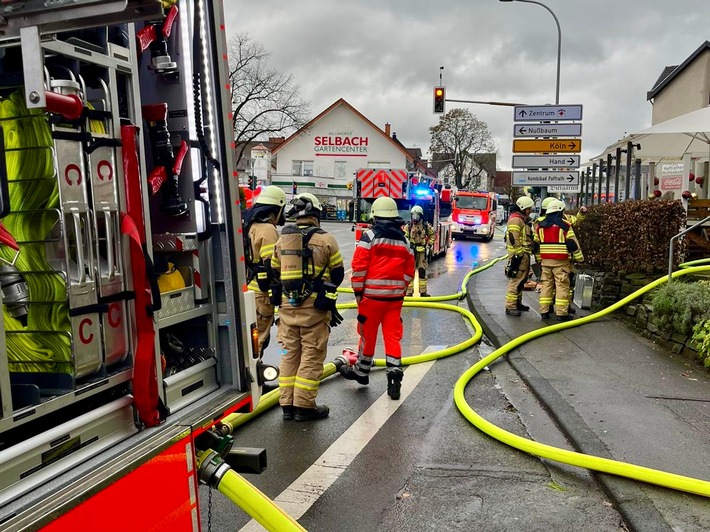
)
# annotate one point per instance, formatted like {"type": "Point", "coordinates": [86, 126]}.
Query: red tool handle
{"type": "Point", "coordinates": [69, 106]}
{"type": "Point", "coordinates": [7, 239]}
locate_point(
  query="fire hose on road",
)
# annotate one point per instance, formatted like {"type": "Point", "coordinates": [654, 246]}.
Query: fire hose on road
{"type": "Point", "coordinates": [632, 471]}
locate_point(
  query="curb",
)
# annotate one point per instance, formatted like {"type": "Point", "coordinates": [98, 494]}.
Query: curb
{"type": "Point", "coordinates": [637, 510]}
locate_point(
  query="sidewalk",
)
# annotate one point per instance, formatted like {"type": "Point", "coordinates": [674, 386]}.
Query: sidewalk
{"type": "Point", "coordinates": [615, 395]}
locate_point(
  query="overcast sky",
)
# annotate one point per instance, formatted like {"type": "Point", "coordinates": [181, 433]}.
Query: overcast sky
{"type": "Point", "coordinates": [383, 57]}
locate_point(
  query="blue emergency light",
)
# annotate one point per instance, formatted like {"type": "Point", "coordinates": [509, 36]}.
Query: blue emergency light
{"type": "Point", "coordinates": [422, 191]}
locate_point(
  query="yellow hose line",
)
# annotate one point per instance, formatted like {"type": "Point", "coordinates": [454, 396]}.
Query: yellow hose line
{"type": "Point", "coordinates": [644, 474]}
{"type": "Point", "coordinates": [248, 497]}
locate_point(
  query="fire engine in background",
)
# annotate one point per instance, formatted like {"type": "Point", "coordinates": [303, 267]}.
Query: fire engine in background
{"type": "Point", "coordinates": [407, 190]}
{"type": "Point", "coordinates": [474, 214]}
{"type": "Point", "coordinates": [116, 161]}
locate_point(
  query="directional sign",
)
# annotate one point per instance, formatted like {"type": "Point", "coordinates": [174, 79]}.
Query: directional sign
{"type": "Point", "coordinates": [575, 189]}
{"type": "Point", "coordinates": [547, 130]}
{"type": "Point", "coordinates": [547, 145]}
{"type": "Point", "coordinates": [543, 178]}
{"type": "Point", "coordinates": [546, 161]}
{"type": "Point", "coordinates": [538, 113]}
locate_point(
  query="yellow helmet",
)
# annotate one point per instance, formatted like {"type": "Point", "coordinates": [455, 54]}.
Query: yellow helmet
{"type": "Point", "coordinates": [304, 204]}
{"type": "Point", "coordinates": [547, 201]}
{"type": "Point", "coordinates": [384, 208]}
{"type": "Point", "coordinates": [525, 202]}
{"type": "Point", "coordinates": [556, 206]}
{"type": "Point", "coordinates": [271, 195]}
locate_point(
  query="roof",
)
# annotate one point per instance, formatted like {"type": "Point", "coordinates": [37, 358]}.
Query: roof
{"type": "Point", "coordinates": [338, 103]}
{"type": "Point", "coordinates": [667, 76]}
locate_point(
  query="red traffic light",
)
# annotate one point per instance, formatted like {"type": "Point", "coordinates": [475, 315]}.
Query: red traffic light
{"type": "Point", "coordinates": [439, 99]}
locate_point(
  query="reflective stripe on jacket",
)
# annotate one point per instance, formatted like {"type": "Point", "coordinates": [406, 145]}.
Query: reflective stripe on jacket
{"type": "Point", "coordinates": [518, 236]}
{"type": "Point", "coordinates": [263, 236]}
{"type": "Point", "coordinates": [556, 242]}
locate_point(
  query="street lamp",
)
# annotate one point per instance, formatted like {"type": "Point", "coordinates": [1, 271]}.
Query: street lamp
{"type": "Point", "coordinates": [559, 41]}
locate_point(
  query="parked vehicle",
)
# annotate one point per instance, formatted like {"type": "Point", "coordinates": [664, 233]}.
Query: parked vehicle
{"type": "Point", "coordinates": [474, 214]}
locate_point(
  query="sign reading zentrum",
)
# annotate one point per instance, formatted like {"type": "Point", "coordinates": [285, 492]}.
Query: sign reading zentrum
{"type": "Point", "coordinates": [539, 113]}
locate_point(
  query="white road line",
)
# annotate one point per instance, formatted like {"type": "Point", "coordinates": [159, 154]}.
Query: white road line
{"type": "Point", "coordinates": [307, 489]}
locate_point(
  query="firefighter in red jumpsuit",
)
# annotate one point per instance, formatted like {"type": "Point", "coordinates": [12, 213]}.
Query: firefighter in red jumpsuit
{"type": "Point", "coordinates": [383, 267]}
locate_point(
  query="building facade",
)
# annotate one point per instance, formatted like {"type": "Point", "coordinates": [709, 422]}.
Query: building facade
{"type": "Point", "coordinates": [323, 156]}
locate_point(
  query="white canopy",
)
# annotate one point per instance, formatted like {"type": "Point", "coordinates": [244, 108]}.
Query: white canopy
{"type": "Point", "coordinates": [688, 133]}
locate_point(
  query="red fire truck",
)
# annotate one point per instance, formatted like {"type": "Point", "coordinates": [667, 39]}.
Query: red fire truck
{"type": "Point", "coordinates": [127, 330]}
{"type": "Point", "coordinates": [474, 214]}
{"type": "Point", "coordinates": [407, 189]}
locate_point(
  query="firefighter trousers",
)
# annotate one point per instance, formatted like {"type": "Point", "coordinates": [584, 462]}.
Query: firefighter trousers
{"type": "Point", "coordinates": [264, 318]}
{"type": "Point", "coordinates": [303, 334]}
{"type": "Point", "coordinates": [555, 284]}
{"type": "Point", "coordinates": [514, 294]}
{"type": "Point", "coordinates": [372, 314]}
{"type": "Point", "coordinates": [421, 264]}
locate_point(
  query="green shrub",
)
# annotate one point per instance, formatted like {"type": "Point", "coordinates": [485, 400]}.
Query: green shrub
{"type": "Point", "coordinates": [632, 236]}
{"type": "Point", "coordinates": [701, 338]}
{"type": "Point", "coordinates": [678, 306]}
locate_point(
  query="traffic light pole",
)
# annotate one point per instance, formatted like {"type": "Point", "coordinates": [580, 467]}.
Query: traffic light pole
{"type": "Point", "coordinates": [506, 104]}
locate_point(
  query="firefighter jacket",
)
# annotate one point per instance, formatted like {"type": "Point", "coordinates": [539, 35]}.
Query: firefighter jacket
{"type": "Point", "coordinates": [383, 263]}
{"type": "Point", "coordinates": [262, 237]}
{"type": "Point", "coordinates": [326, 258]}
{"type": "Point", "coordinates": [518, 237]}
{"type": "Point", "coordinates": [420, 233]}
{"type": "Point", "coordinates": [557, 242]}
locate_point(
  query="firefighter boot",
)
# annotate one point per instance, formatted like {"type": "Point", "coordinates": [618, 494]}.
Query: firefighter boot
{"type": "Point", "coordinates": [310, 414]}
{"type": "Point", "coordinates": [354, 374]}
{"type": "Point", "coordinates": [289, 411]}
{"type": "Point", "coordinates": [394, 383]}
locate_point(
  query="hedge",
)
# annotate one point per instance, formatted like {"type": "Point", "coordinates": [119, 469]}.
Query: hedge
{"type": "Point", "coordinates": [632, 236]}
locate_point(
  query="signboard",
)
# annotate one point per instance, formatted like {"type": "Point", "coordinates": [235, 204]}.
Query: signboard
{"type": "Point", "coordinates": [547, 145]}
{"type": "Point", "coordinates": [574, 189]}
{"type": "Point", "coordinates": [546, 161]}
{"type": "Point", "coordinates": [547, 130]}
{"type": "Point", "coordinates": [539, 113]}
{"type": "Point", "coordinates": [671, 176]}
{"type": "Point", "coordinates": [543, 178]}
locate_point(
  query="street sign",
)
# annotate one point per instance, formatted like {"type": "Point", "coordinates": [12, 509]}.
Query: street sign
{"type": "Point", "coordinates": [573, 189]}
{"type": "Point", "coordinates": [546, 161]}
{"type": "Point", "coordinates": [547, 145]}
{"type": "Point", "coordinates": [547, 130]}
{"type": "Point", "coordinates": [538, 113]}
{"type": "Point", "coordinates": [542, 178]}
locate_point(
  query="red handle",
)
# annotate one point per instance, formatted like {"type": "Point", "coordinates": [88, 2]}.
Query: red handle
{"type": "Point", "coordinates": [7, 239]}
{"type": "Point", "coordinates": [68, 105]}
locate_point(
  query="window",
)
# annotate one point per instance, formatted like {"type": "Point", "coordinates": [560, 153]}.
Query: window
{"type": "Point", "coordinates": [304, 168]}
{"type": "Point", "coordinates": [479, 203]}
{"type": "Point", "coordinates": [340, 168]}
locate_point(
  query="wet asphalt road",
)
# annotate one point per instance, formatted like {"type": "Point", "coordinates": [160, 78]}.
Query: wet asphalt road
{"type": "Point", "coordinates": [423, 467]}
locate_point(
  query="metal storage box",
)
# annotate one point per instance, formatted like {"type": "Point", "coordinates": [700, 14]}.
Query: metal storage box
{"type": "Point", "coordinates": [583, 289]}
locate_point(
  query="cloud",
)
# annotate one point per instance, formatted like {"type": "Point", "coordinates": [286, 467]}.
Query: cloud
{"type": "Point", "coordinates": [383, 57]}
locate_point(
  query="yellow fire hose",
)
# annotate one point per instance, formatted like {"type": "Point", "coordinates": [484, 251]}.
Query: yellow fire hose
{"type": "Point", "coordinates": [246, 498]}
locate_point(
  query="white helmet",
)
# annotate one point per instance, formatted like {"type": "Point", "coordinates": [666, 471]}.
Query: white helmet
{"type": "Point", "coordinates": [556, 206]}
{"type": "Point", "coordinates": [547, 201]}
{"type": "Point", "coordinates": [417, 209]}
{"type": "Point", "coordinates": [305, 204]}
{"type": "Point", "coordinates": [384, 208]}
{"type": "Point", "coordinates": [525, 202]}
{"type": "Point", "coordinates": [271, 195]}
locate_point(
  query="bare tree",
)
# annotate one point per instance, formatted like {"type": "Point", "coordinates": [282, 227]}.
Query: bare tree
{"type": "Point", "coordinates": [460, 139]}
{"type": "Point", "coordinates": [265, 102]}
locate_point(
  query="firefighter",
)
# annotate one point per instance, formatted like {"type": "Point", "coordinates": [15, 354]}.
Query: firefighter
{"type": "Point", "coordinates": [306, 259]}
{"type": "Point", "coordinates": [557, 242]}
{"type": "Point", "coordinates": [519, 242]}
{"type": "Point", "coordinates": [420, 234]}
{"type": "Point", "coordinates": [383, 267]}
{"type": "Point", "coordinates": [260, 223]}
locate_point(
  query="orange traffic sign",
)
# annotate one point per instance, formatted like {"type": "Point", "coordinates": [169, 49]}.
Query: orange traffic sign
{"type": "Point", "coordinates": [547, 145]}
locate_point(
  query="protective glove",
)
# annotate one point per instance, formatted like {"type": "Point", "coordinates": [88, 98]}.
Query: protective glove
{"type": "Point", "coordinates": [335, 319]}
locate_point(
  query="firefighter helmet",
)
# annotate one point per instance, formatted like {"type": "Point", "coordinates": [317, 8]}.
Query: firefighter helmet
{"type": "Point", "coordinates": [271, 195]}
{"type": "Point", "coordinates": [556, 206]}
{"type": "Point", "coordinates": [525, 202]}
{"type": "Point", "coordinates": [384, 208]}
{"type": "Point", "coordinates": [547, 201]}
{"type": "Point", "coordinates": [417, 209]}
{"type": "Point", "coordinates": [305, 204]}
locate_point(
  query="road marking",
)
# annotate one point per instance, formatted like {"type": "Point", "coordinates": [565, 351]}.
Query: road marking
{"type": "Point", "coordinates": [308, 488]}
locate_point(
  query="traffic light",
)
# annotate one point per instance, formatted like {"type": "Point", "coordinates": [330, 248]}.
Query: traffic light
{"type": "Point", "coordinates": [295, 188]}
{"type": "Point", "coordinates": [252, 182]}
{"type": "Point", "coordinates": [439, 99]}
